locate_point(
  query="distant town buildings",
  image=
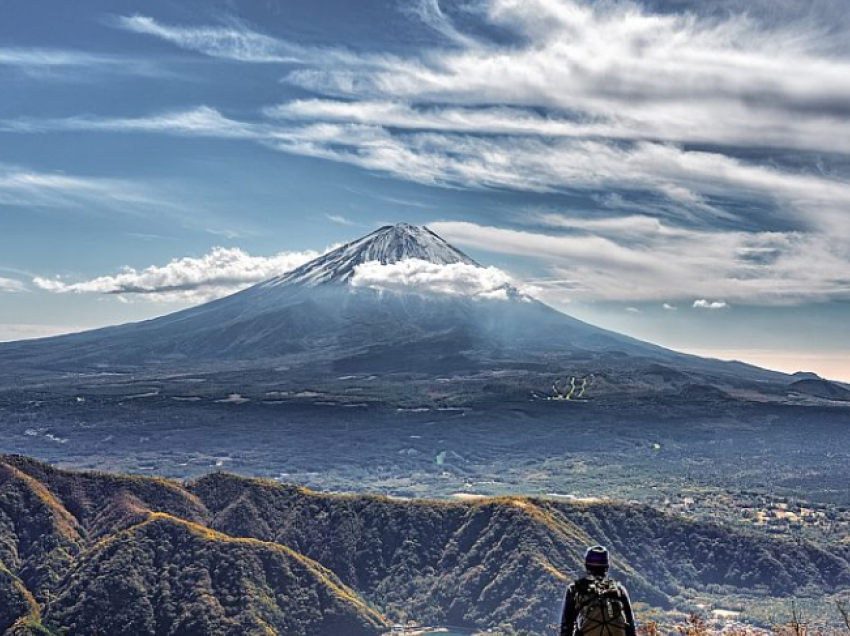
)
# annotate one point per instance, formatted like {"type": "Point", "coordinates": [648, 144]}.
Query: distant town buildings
{"type": "Point", "coordinates": [770, 514]}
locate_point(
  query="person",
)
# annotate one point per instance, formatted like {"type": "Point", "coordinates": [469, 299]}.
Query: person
{"type": "Point", "coordinates": [595, 605]}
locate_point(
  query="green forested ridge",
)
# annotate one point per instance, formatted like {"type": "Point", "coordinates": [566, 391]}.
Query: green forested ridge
{"type": "Point", "coordinates": [16, 603]}
{"type": "Point", "coordinates": [168, 576]}
{"type": "Point", "coordinates": [39, 539]}
{"type": "Point", "coordinates": [102, 502]}
{"type": "Point", "coordinates": [132, 566]}
{"type": "Point", "coordinates": [20, 614]}
{"type": "Point", "coordinates": [93, 553]}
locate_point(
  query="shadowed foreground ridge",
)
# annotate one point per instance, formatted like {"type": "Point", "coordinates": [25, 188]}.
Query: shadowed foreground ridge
{"type": "Point", "coordinates": [84, 553]}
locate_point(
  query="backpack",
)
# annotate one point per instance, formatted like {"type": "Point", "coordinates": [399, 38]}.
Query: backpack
{"type": "Point", "coordinates": [599, 608]}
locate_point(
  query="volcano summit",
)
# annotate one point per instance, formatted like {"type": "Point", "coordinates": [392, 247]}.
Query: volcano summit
{"type": "Point", "coordinates": [388, 245]}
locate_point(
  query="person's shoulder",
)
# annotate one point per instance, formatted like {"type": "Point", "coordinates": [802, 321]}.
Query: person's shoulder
{"type": "Point", "coordinates": [621, 588]}
{"type": "Point", "coordinates": [582, 585]}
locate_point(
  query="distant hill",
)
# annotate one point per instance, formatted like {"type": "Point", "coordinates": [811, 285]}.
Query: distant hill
{"type": "Point", "coordinates": [228, 555]}
{"type": "Point", "coordinates": [821, 389]}
{"type": "Point", "coordinates": [805, 375]}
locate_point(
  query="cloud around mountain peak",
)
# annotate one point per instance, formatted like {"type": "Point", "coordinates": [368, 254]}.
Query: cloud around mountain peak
{"type": "Point", "coordinates": [223, 271]}
{"type": "Point", "coordinates": [423, 277]}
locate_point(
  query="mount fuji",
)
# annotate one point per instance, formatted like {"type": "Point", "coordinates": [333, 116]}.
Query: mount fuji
{"type": "Point", "coordinates": [318, 323]}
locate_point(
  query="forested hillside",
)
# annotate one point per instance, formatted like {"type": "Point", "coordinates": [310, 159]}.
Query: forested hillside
{"type": "Point", "coordinates": [96, 554]}
{"type": "Point", "coordinates": [84, 553]}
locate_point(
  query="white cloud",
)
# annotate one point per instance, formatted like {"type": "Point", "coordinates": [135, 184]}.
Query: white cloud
{"type": "Point", "coordinates": [424, 277]}
{"type": "Point", "coordinates": [614, 70]}
{"type": "Point", "coordinates": [22, 187]}
{"type": "Point", "coordinates": [621, 71]}
{"type": "Point", "coordinates": [686, 179]}
{"type": "Point", "coordinates": [430, 13]}
{"type": "Point", "coordinates": [768, 130]}
{"type": "Point", "coordinates": [632, 225]}
{"type": "Point", "coordinates": [238, 42]}
{"type": "Point", "coordinates": [585, 249]}
{"type": "Point", "coordinates": [761, 268]}
{"type": "Point", "coordinates": [230, 42]}
{"type": "Point", "coordinates": [11, 285]}
{"type": "Point", "coordinates": [340, 220]}
{"type": "Point", "coordinates": [669, 307]}
{"type": "Point", "coordinates": [633, 310]}
{"type": "Point", "coordinates": [40, 57]}
{"type": "Point", "coordinates": [702, 303]}
{"type": "Point", "coordinates": [189, 279]}
{"type": "Point", "coordinates": [201, 121]}
{"type": "Point", "coordinates": [63, 64]}
{"type": "Point", "coordinates": [579, 77]}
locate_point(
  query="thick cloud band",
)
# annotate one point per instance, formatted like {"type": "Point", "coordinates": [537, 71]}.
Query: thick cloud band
{"type": "Point", "coordinates": [188, 279]}
{"type": "Point", "coordinates": [423, 277]}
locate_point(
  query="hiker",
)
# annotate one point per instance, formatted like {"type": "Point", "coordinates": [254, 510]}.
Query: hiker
{"type": "Point", "coordinates": [595, 605]}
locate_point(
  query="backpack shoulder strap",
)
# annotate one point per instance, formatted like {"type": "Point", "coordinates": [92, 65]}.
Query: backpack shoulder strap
{"type": "Point", "coordinates": [620, 589]}
{"type": "Point", "coordinates": [585, 587]}
{"type": "Point", "coordinates": [587, 592]}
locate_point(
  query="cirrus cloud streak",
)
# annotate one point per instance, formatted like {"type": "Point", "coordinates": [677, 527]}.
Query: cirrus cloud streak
{"type": "Point", "coordinates": [697, 182]}
{"type": "Point", "coordinates": [11, 285]}
{"type": "Point", "coordinates": [766, 268]}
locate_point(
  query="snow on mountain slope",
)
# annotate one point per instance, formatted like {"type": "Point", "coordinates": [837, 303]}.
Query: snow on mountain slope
{"type": "Point", "coordinates": [390, 244]}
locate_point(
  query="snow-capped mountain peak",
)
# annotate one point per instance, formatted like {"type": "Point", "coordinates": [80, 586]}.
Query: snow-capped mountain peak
{"type": "Point", "coordinates": [387, 245]}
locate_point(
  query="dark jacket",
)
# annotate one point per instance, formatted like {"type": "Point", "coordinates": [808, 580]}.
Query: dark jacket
{"type": "Point", "coordinates": [571, 609]}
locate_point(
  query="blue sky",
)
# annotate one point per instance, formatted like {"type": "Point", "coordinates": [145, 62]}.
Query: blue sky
{"type": "Point", "coordinates": [675, 170]}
